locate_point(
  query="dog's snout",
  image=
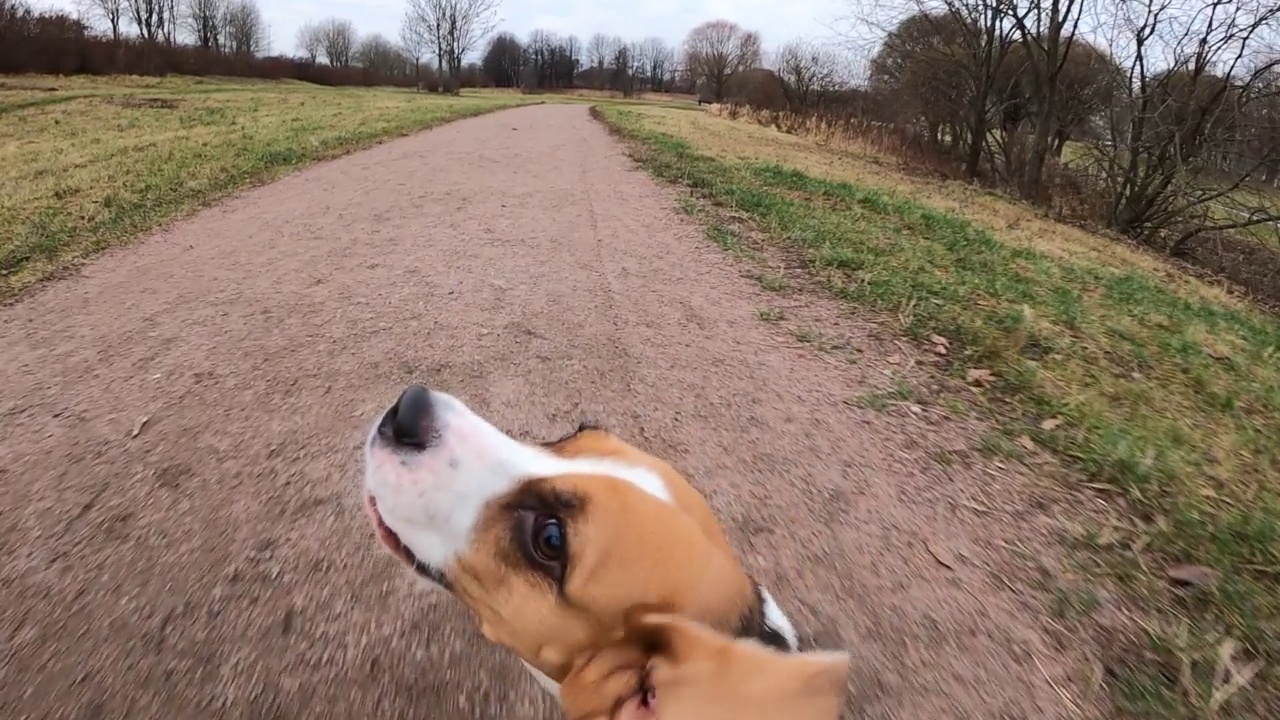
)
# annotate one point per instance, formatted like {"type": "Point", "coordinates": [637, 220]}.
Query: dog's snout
{"type": "Point", "coordinates": [409, 422]}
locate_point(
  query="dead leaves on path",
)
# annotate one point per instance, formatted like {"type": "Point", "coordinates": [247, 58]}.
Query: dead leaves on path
{"type": "Point", "coordinates": [939, 345]}
{"type": "Point", "coordinates": [942, 554]}
{"type": "Point", "coordinates": [1192, 576]}
{"type": "Point", "coordinates": [979, 376]}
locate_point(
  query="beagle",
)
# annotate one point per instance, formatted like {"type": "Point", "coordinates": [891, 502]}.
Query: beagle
{"type": "Point", "coordinates": [550, 544]}
{"type": "Point", "coordinates": [668, 667]}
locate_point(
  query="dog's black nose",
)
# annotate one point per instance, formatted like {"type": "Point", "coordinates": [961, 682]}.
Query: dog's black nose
{"type": "Point", "coordinates": [408, 423]}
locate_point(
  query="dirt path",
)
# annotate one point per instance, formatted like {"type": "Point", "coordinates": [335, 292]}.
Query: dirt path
{"type": "Point", "coordinates": [214, 562]}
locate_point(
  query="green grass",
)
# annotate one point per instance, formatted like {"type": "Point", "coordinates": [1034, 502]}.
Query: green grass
{"type": "Point", "coordinates": [93, 162]}
{"type": "Point", "coordinates": [1163, 399]}
{"type": "Point", "coordinates": [882, 400]}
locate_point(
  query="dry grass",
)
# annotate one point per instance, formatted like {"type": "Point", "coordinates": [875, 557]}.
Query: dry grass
{"type": "Point", "coordinates": [847, 159]}
{"type": "Point", "coordinates": [92, 162]}
{"type": "Point", "coordinates": [1160, 393]}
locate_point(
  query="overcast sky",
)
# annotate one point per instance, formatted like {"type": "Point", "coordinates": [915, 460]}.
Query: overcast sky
{"type": "Point", "coordinates": [777, 20]}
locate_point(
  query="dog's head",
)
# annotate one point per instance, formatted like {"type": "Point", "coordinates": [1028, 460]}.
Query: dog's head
{"type": "Point", "coordinates": [667, 666]}
{"type": "Point", "coordinates": [550, 544]}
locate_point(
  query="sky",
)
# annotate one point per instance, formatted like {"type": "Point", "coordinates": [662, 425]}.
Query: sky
{"type": "Point", "coordinates": [776, 21]}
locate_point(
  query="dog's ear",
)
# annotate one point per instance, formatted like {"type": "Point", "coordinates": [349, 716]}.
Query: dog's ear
{"type": "Point", "coordinates": [697, 673]}
{"type": "Point", "coordinates": [601, 681]}
{"type": "Point", "coordinates": [701, 674]}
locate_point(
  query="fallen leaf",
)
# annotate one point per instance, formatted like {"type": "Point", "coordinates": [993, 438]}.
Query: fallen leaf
{"type": "Point", "coordinates": [1051, 424]}
{"type": "Point", "coordinates": [939, 340]}
{"type": "Point", "coordinates": [944, 556]}
{"type": "Point", "coordinates": [893, 359]}
{"type": "Point", "coordinates": [1191, 575]}
{"type": "Point", "coordinates": [1027, 443]}
{"type": "Point", "coordinates": [138, 428]}
{"type": "Point", "coordinates": [979, 375]}
{"type": "Point", "coordinates": [1106, 537]}
{"type": "Point", "coordinates": [1216, 352]}
{"type": "Point", "coordinates": [939, 349]}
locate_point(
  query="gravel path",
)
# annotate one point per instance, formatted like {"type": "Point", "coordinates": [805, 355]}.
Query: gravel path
{"type": "Point", "coordinates": [214, 562]}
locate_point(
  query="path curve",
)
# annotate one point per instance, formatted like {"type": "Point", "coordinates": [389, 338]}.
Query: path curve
{"type": "Point", "coordinates": [213, 562]}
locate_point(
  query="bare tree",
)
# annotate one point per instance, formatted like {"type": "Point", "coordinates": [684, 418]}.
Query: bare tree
{"type": "Point", "coordinates": [1179, 145]}
{"type": "Point", "coordinates": [549, 60]}
{"type": "Point", "coordinates": [942, 66]}
{"type": "Point", "coordinates": [203, 21]}
{"type": "Point", "coordinates": [717, 49]}
{"type": "Point", "coordinates": [415, 39]}
{"type": "Point", "coordinates": [809, 72]}
{"type": "Point", "coordinates": [310, 41]}
{"type": "Point", "coordinates": [536, 60]}
{"type": "Point", "coordinates": [110, 12]}
{"type": "Point", "coordinates": [1046, 32]}
{"type": "Point", "coordinates": [570, 61]}
{"type": "Point", "coordinates": [1261, 135]}
{"type": "Point", "coordinates": [381, 56]}
{"type": "Point", "coordinates": [169, 28]}
{"type": "Point", "coordinates": [337, 41]}
{"type": "Point", "coordinates": [245, 32]}
{"type": "Point", "coordinates": [504, 60]}
{"type": "Point", "coordinates": [599, 50]}
{"type": "Point", "coordinates": [620, 67]}
{"type": "Point", "coordinates": [453, 28]}
{"type": "Point", "coordinates": [149, 18]}
{"type": "Point", "coordinates": [658, 58]}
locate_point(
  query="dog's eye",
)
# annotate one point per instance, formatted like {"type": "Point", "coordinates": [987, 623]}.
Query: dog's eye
{"type": "Point", "coordinates": [548, 539]}
{"type": "Point", "coordinates": [543, 540]}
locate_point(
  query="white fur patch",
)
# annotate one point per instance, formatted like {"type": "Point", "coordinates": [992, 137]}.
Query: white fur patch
{"type": "Point", "coordinates": [433, 498]}
{"type": "Point", "coordinates": [547, 683]}
{"type": "Point", "coordinates": [776, 619]}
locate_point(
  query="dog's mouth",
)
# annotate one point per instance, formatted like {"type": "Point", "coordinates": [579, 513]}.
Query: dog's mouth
{"type": "Point", "coordinates": [399, 549]}
{"type": "Point", "coordinates": [642, 705]}
{"type": "Point", "coordinates": [648, 696]}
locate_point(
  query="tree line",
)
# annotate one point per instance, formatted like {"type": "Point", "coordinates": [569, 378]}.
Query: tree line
{"type": "Point", "coordinates": [441, 44]}
{"type": "Point", "coordinates": [158, 37]}
{"type": "Point", "coordinates": [1158, 119]}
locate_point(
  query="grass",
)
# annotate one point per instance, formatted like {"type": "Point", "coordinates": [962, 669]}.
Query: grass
{"type": "Point", "coordinates": [1160, 392]}
{"type": "Point", "coordinates": [93, 162]}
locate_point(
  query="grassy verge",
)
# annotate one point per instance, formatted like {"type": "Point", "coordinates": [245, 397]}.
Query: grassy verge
{"type": "Point", "coordinates": [1161, 394]}
{"type": "Point", "coordinates": [93, 162]}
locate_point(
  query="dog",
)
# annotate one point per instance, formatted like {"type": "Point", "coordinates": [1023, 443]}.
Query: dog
{"type": "Point", "coordinates": [668, 667]}
{"type": "Point", "coordinates": [550, 544]}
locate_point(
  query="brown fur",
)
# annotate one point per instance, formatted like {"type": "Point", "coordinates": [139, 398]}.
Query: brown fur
{"type": "Point", "coordinates": [697, 673]}
{"type": "Point", "coordinates": [625, 549]}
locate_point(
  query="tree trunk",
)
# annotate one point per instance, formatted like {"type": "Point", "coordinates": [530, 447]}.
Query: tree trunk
{"type": "Point", "coordinates": [977, 139]}
{"type": "Point", "coordinates": [1033, 169]}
